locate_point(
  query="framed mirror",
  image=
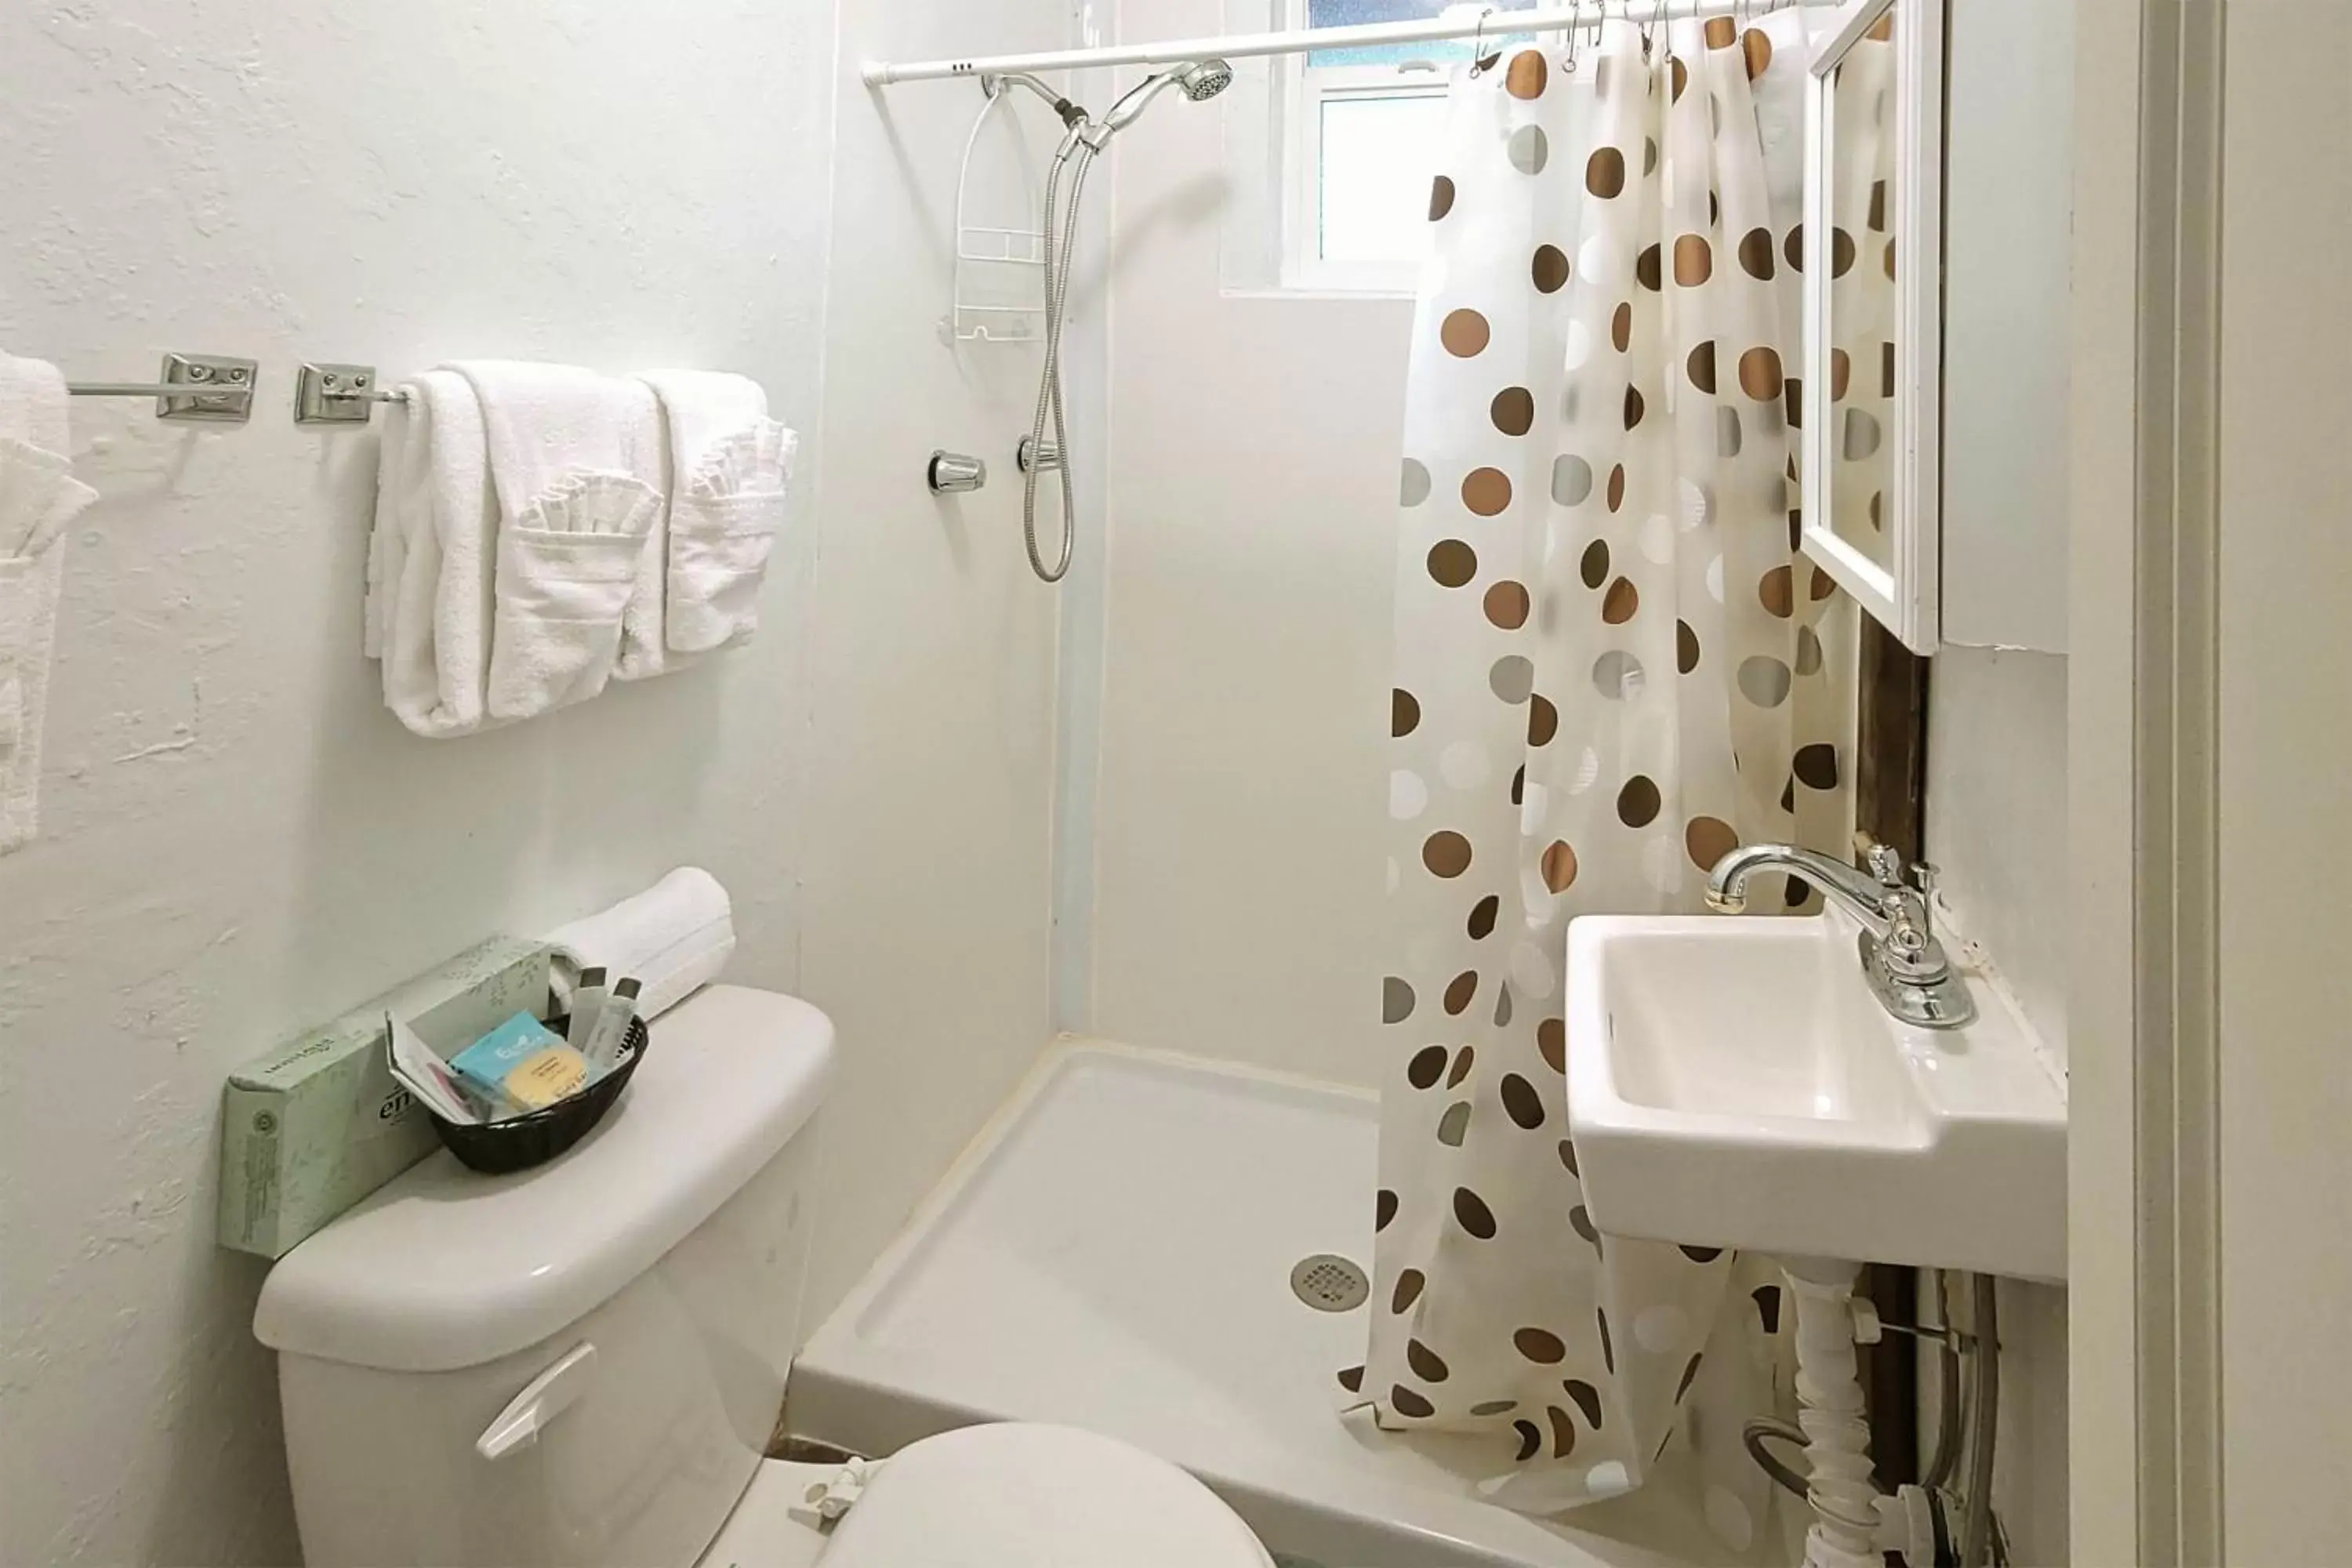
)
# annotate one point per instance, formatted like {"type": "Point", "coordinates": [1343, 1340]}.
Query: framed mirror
{"type": "Point", "coordinates": [1873, 310]}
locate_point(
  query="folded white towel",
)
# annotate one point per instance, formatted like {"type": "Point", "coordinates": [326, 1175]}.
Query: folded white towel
{"type": "Point", "coordinates": [575, 458]}
{"type": "Point", "coordinates": [673, 938]}
{"type": "Point", "coordinates": [731, 466]}
{"type": "Point", "coordinates": [38, 497]}
{"type": "Point", "coordinates": [430, 561]}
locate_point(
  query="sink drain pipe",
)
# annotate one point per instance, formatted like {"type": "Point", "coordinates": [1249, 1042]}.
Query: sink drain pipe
{"type": "Point", "coordinates": [1844, 1532]}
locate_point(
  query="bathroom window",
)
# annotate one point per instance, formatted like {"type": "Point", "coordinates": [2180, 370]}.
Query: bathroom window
{"type": "Point", "coordinates": [1358, 127]}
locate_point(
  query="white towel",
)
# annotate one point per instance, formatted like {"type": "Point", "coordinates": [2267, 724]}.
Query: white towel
{"type": "Point", "coordinates": [39, 498]}
{"type": "Point", "coordinates": [673, 939]}
{"type": "Point", "coordinates": [576, 460]}
{"type": "Point", "coordinates": [730, 465]}
{"type": "Point", "coordinates": [430, 558]}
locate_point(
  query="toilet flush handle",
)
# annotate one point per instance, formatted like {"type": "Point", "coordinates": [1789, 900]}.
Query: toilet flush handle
{"type": "Point", "coordinates": [542, 1399]}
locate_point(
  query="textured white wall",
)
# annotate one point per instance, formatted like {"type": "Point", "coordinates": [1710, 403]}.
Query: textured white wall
{"type": "Point", "coordinates": [1254, 464]}
{"type": "Point", "coordinates": [239, 841]}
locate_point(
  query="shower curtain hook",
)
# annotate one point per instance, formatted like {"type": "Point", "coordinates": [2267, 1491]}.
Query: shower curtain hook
{"type": "Point", "coordinates": [1479, 58]}
{"type": "Point", "coordinates": [1569, 66]}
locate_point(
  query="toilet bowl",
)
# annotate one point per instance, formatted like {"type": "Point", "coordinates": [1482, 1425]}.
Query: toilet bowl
{"type": "Point", "coordinates": [581, 1365]}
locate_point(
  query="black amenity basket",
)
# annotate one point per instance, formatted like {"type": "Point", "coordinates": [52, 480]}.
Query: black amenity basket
{"type": "Point", "coordinates": [496, 1148]}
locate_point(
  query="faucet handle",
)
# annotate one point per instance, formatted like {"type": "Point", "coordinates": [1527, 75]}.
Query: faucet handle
{"type": "Point", "coordinates": [1885, 863]}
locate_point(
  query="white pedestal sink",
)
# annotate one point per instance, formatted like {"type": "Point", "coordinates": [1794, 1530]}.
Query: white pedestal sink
{"type": "Point", "coordinates": [1732, 1082]}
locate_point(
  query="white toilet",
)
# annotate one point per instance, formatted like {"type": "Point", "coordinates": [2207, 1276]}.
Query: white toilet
{"type": "Point", "coordinates": [581, 1366]}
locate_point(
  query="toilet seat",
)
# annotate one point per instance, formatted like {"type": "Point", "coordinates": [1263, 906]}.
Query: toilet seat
{"type": "Point", "coordinates": [1017, 1495]}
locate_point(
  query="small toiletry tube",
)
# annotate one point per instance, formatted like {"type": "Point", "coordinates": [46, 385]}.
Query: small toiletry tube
{"type": "Point", "coordinates": [525, 1062]}
{"type": "Point", "coordinates": [611, 1027]}
{"type": "Point", "coordinates": [587, 1006]}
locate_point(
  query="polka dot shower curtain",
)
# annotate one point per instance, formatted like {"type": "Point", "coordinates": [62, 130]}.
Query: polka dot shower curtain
{"type": "Point", "coordinates": [1611, 667]}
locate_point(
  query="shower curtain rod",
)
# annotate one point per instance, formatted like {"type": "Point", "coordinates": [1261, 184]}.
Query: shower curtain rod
{"type": "Point", "coordinates": [1246, 46]}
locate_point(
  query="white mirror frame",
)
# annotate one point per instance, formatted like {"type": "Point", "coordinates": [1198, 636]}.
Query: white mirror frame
{"type": "Point", "coordinates": [1904, 600]}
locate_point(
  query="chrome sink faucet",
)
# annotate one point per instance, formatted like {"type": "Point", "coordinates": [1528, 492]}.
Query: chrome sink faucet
{"type": "Point", "coordinates": [1907, 968]}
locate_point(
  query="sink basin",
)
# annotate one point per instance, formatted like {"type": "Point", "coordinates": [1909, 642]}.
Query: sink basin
{"type": "Point", "coordinates": [1732, 1082]}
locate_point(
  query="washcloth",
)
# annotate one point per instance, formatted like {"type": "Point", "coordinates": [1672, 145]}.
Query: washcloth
{"type": "Point", "coordinates": [430, 559]}
{"type": "Point", "coordinates": [731, 466]}
{"type": "Point", "coordinates": [38, 497]}
{"type": "Point", "coordinates": [575, 458]}
{"type": "Point", "coordinates": [673, 938]}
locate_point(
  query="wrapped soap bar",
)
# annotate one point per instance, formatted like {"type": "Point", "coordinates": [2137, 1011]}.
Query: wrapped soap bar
{"type": "Point", "coordinates": [523, 1063]}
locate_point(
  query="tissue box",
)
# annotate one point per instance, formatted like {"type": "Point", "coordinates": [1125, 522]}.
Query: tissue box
{"type": "Point", "coordinates": [317, 1124]}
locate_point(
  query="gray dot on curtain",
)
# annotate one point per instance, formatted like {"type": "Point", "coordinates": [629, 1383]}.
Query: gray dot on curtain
{"type": "Point", "coordinates": [1412, 487]}
{"type": "Point", "coordinates": [1764, 681]}
{"type": "Point", "coordinates": [1726, 432]}
{"type": "Point", "coordinates": [1808, 651]}
{"type": "Point", "coordinates": [1396, 1000]}
{"type": "Point", "coordinates": [1617, 675]}
{"type": "Point", "coordinates": [1862, 435]}
{"type": "Point", "coordinates": [1455, 1125]}
{"type": "Point", "coordinates": [1572, 480]}
{"type": "Point", "coordinates": [1513, 678]}
{"type": "Point", "coordinates": [1529, 149]}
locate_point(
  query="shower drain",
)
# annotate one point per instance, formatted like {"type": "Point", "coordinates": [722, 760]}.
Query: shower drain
{"type": "Point", "coordinates": [1329, 1283]}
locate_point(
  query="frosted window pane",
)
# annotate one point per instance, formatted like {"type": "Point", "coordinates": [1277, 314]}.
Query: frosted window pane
{"type": "Point", "coordinates": [1356, 13]}
{"type": "Point", "coordinates": [1376, 162]}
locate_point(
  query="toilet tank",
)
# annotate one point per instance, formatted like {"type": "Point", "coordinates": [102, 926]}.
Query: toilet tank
{"type": "Point", "coordinates": [440, 1407]}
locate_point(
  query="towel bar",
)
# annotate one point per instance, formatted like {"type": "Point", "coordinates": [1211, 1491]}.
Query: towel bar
{"type": "Point", "coordinates": [207, 389]}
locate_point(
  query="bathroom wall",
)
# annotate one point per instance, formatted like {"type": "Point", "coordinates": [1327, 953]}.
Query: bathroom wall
{"type": "Point", "coordinates": [1245, 696]}
{"type": "Point", "coordinates": [239, 841]}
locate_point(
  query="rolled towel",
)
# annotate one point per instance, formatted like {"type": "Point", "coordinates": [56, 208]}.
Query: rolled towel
{"type": "Point", "coordinates": [576, 460]}
{"type": "Point", "coordinates": [730, 465]}
{"type": "Point", "coordinates": [673, 938]}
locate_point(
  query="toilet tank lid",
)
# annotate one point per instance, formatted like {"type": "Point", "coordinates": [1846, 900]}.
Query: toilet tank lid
{"type": "Point", "coordinates": [442, 1267]}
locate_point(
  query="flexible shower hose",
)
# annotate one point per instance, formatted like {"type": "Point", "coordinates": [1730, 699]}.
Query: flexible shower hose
{"type": "Point", "coordinates": [1076, 158]}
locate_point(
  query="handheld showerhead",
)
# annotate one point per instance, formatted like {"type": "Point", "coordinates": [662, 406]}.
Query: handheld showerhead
{"type": "Point", "coordinates": [1201, 79]}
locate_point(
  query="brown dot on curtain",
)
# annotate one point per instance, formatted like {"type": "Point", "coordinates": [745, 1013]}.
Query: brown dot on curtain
{"type": "Point", "coordinates": [1824, 584]}
{"type": "Point", "coordinates": [1521, 1103]}
{"type": "Point", "coordinates": [1481, 925]}
{"type": "Point", "coordinates": [1841, 373]}
{"type": "Point", "coordinates": [1426, 1363]}
{"type": "Point", "coordinates": [1560, 866]}
{"type": "Point", "coordinates": [1841, 253]}
{"type": "Point", "coordinates": [1760, 373]}
{"type": "Point", "coordinates": [1404, 713]}
{"type": "Point", "coordinates": [1709, 839]}
{"type": "Point", "coordinates": [1563, 1431]}
{"type": "Point", "coordinates": [1605, 172]}
{"type": "Point", "coordinates": [1486, 492]}
{"type": "Point", "coordinates": [1441, 197]}
{"type": "Point", "coordinates": [1816, 766]}
{"type": "Point", "coordinates": [1549, 268]}
{"type": "Point", "coordinates": [1622, 600]}
{"type": "Point", "coordinates": [1588, 1400]}
{"type": "Point", "coordinates": [1423, 1072]}
{"type": "Point", "coordinates": [1792, 394]}
{"type": "Point", "coordinates": [1352, 1379]}
{"type": "Point", "coordinates": [1700, 367]}
{"type": "Point", "coordinates": [1464, 1060]}
{"type": "Point", "coordinates": [1793, 249]}
{"type": "Point", "coordinates": [1493, 1407]}
{"type": "Point", "coordinates": [1452, 563]}
{"type": "Point", "coordinates": [1760, 51]}
{"type": "Point", "coordinates": [1887, 368]}
{"type": "Point", "coordinates": [1407, 1403]}
{"type": "Point", "coordinates": [1890, 260]}
{"type": "Point", "coordinates": [1685, 647]}
{"type": "Point", "coordinates": [1540, 1345]}
{"type": "Point", "coordinates": [1649, 267]}
{"type": "Point", "coordinates": [1690, 1375]}
{"type": "Point", "coordinates": [1608, 1348]}
{"type": "Point", "coordinates": [1527, 75]}
{"type": "Point", "coordinates": [1551, 1039]}
{"type": "Point", "coordinates": [1464, 333]}
{"type": "Point", "coordinates": [1877, 509]}
{"type": "Point", "coordinates": [1722, 32]}
{"type": "Point", "coordinates": [1878, 205]}
{"type": "Point", "coordinates": [1638, 802]}
{"type": "Point", "coordinates": [1460, 992]}
{"type": "Point", "coordinates": [1756, 254]}
{"type": "Point", "coordinates": [1621, 326]}
{"type": "Point", "coordinates": [1694, 260]}
{"type": "Point", "coordinates": [1530, 1441]}
{"type": "Point", "coordinates": [1472, 1211]}
{"type": "Point", "coordinates": [1682, 77]}
{"type": "Point", "coordinates": [1513, 410]}
{"type": "Point", "coordinates": [1594, 566]}
{"type": "Point", "coordinates": [1407, 1292]}
{"type": "Point", "coordinates": [1568, 1156]}
{"type": "Point", "coordinates": [1506, 605]}
{"type": "Point", "coordinates": [1384, 1209]}
{"type": "Point", "coordinates": [1633, 408]}
{"type": "Point", "coordinates": [1543, 721]}
{"type": "Point", "coordinates": [1617, 483]}
{"type": "Point", "coordinates": [1447, 854]}
{"type": "Point", "coordinates": [1778, 591]}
